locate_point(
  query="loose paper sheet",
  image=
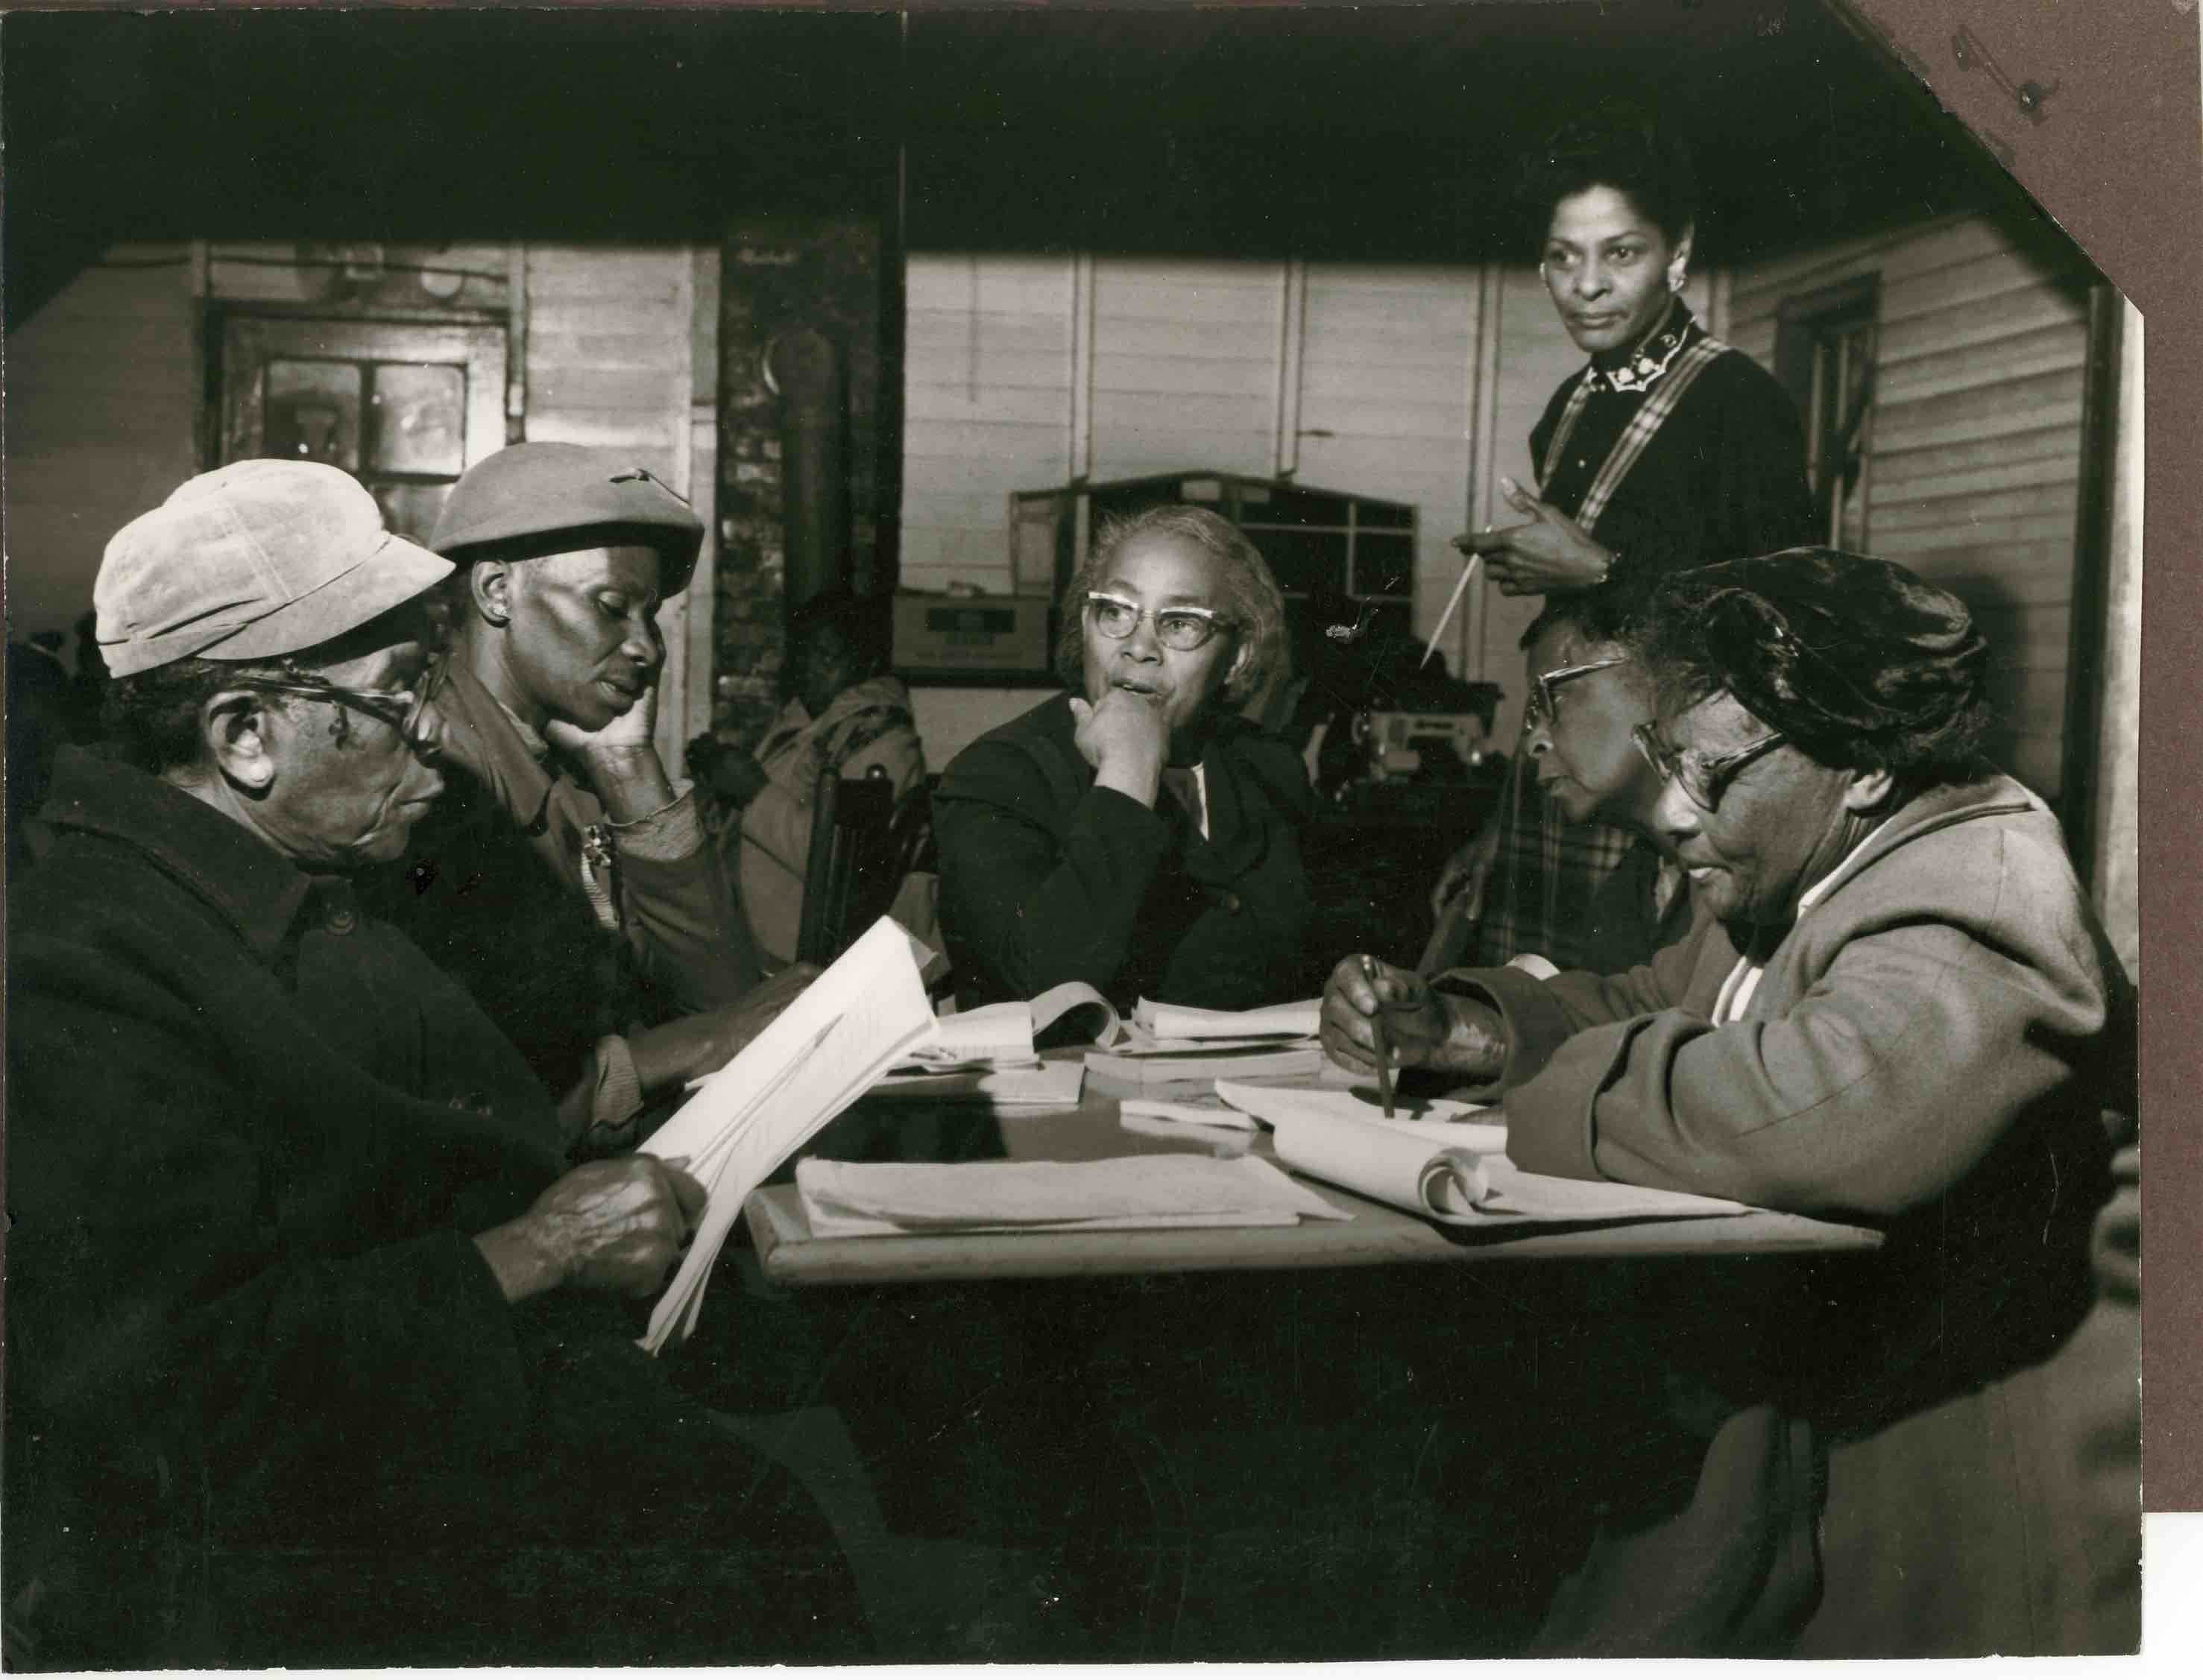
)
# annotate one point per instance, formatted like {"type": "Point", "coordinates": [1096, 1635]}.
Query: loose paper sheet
{"type": "Point", "coordinates": [1440, 1165]}
{"type": "Point", "coordinates": [1053, 1084]}
{"type": "Point", "coordinates": [888, 1198]}
{"type": "Point", "coordinates": [1196, 1108]}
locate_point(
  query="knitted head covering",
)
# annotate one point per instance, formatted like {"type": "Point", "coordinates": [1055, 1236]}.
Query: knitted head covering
{"type": "Point", "coordinates": [1861, 664]}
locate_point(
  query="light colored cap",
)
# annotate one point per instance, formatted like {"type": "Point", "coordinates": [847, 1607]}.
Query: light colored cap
{"type": "Point", "coordinates": [547, 498]}
{"type": "Point", "coordinates": [250, 561]}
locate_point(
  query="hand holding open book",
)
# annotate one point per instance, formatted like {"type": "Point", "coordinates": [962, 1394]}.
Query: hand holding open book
{"type": "Point", "coordinates": [992, 1053]}
{"type": "Point", "coordinates": [825, 1050]}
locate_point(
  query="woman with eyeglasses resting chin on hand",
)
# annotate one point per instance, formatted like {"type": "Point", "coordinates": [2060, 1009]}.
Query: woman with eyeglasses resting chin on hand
{"type": "Point", "coordinates": [1134, 833]}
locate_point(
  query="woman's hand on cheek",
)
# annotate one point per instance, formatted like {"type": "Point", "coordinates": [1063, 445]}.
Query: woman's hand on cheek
{"type": "Point", "coordinates": [1126, 738]}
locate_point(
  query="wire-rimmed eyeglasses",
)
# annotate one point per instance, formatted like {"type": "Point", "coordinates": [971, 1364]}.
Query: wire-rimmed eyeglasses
{"type": "Point", "coordinates": [401, 711]}
{"type": "Point", "coordinates": [1540, 709]}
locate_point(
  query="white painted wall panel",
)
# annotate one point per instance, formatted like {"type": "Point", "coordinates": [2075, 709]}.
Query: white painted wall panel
{"type": "Point", "coordinates": [1385, 392]}
{"type": "Point", "coordinates": [987, 402]}
{"type": "Point", "coordinates": [609, 331]}
{"type": "Point", "coordinates": [1974, 470]}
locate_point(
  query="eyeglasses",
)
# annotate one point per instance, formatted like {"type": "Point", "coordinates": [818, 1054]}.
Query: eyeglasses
{"type": "Point", "coordinates": [1542, 707]}
{"type": "Point", "coordinates": [1703, 780]}
{"type": "Point", "coordinates": [1181, 629]}
{"type": "Point", "coordinates": [401, 711]}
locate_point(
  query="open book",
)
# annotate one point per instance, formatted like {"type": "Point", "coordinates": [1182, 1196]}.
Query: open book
{"type": "Point", "coordinates": [991, 1053]}
{"type": "Point", "coordinates": [826, 1050]}
{"type": "Point", "coordinates": [1443, 1163]}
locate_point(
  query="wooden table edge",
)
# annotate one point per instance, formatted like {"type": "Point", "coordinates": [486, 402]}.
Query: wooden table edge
{"type": "Point", "coordinates": [1377, 1235]}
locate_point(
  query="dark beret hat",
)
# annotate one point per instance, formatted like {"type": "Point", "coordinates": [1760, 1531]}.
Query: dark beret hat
{"type": "Point", "coordinates": [1827, 646]}
{"type": "Point", "coordinates": [530, 493]}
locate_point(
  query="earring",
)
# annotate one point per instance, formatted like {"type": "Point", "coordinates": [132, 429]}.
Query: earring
{"type": "Point", "coordinates": [1676, 279]}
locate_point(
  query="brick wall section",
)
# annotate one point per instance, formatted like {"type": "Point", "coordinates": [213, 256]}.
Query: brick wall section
{"type": "Point", "coordinates": [778, 273]}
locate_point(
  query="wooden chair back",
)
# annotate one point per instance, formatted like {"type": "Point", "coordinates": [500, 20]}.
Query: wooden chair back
{"type": "Point", "coordinates": [851, 876]}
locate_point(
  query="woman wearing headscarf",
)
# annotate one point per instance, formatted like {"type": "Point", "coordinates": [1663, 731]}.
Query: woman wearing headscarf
{"type": "Point", "coordinates": [1134, 833]}
{"type": "Point", "coordinates": [1896, 1007]}
{"type": "Point", "coordinates": [1668, 449]}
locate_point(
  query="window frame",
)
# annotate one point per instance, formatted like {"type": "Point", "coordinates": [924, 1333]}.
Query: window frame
{"type": "Point", "coordinates": [1837, 455]}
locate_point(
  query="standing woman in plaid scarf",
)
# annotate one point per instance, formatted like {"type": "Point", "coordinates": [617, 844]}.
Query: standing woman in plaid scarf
{"type": "Point", "coordinates": [1669, 449]}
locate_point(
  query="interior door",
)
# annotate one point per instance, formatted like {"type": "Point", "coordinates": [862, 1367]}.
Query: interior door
{"type": "Point", "coordinates": [404, 406]}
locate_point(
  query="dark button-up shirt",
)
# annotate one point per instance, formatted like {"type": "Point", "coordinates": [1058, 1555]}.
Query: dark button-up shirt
{"type": "Point", "coordinates": [1046, 877]}
{"type": "Point", "coordinates": [1722, 478]}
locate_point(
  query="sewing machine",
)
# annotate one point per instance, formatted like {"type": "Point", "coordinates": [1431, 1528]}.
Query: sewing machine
{"type": "Point", "coordinates": [1404, 747]}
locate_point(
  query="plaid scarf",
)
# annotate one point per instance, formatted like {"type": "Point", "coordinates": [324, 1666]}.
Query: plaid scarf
{"type": "Point", "coordinates": [1669, 383]}
{"type": "Point", "coordinates": [1545, 872]}
{"type": "Point", "coordinates": [1544, 875]}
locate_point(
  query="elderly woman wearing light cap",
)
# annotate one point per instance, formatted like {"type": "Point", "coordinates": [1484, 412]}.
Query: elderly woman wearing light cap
{"type": "Point", "coordinates": [1895, 1007]}
{"type": "Point", "coordinates": [317, 1355]}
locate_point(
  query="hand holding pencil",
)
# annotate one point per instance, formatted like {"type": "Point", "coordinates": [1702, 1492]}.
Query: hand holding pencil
{"type": "Point", "coordinates": [1544, 552]}
{"type": "Point", "coordinates": [1378, 1019]}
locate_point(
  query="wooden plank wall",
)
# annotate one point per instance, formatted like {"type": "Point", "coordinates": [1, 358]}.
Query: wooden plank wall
{"type": "Point", "coordinates": [608, 350]}
{"type": "Point", "coordinates": [1974, 461]}
{"type": "Point", "coordinates": [105, 388]}
{"type": "Point", "coordinates": [1187, 359]}
{"type": "Point", "coordinates": [610, 364]}
{"type": "Point", "coordinates": [987, 402]}
{"type": "Point", "coordinates": [102, 394]}
{"type": "Point", "coordinates": [1185, 366]}
{"type": "Point", "coordinates": [1386, 393]}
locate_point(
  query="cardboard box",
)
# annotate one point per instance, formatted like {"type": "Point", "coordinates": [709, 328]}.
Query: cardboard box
{"type": "Point", "coordinates": [972, 637]}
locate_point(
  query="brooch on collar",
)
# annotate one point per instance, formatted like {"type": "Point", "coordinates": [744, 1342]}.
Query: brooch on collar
{"type": "Point", "coordinates": [1643, 370]}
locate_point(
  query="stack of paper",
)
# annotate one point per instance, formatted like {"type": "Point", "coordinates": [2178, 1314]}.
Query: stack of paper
{"type": "Point", "coordinates": [1442, 1163]}
{"type": "Point", "coordinates": [1139, 1192]}
{"type": "Point", "coordinates": [1273, 1022]}
{"type": "Point", "coordinates": [827, 1048]}
{"type": "Point", "coordinates": [1166, 1043]}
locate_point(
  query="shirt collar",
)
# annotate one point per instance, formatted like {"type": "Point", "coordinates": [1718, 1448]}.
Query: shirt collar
{"type": "Point", "coordinates": [483, 736]}
{"type": "Point", "coordinates": [538, 748]}
{"type": "Point", "coordinates": [1812, 895]}
{"type": "Point", "coordinates": [1656, 352]}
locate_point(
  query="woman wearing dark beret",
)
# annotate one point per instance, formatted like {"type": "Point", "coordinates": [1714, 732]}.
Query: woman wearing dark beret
{"type": "Point", "coordinates": [1134, 832]}
{"type": "Point", "coordinates": [1668, 449]}
{"type": "Point", "coordinates": [1895, 1007]}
